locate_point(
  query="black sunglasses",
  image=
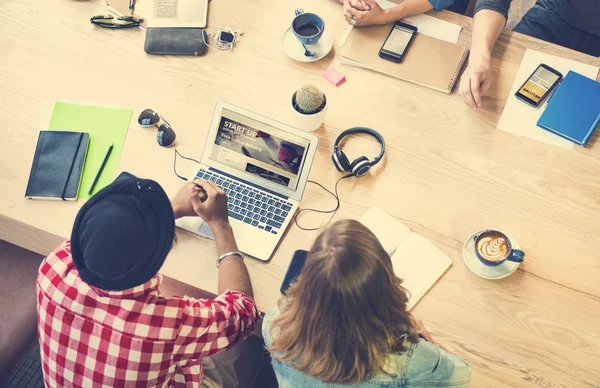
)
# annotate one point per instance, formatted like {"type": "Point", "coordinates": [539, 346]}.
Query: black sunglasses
{"type": "Point", "coordinates": [165, 136]}
{"type": "Point", "coordinates": [128, 21]}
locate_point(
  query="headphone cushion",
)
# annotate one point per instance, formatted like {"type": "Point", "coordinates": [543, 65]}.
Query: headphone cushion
{"type": "Point", "coordinates": [340, 161]}
{"type": "Point", "coordinates": [360, 166]}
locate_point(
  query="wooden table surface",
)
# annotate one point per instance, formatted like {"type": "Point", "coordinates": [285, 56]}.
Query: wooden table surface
{"type": "Point", "coordinates": [447, 173]}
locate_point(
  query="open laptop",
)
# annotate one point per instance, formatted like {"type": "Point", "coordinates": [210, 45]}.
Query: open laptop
{"type": "Point", "coordinates": [263, 166]}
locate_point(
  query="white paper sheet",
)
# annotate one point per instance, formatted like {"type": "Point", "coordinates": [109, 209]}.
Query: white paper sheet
{"type": "Point", "coordinates": [521, 119]}
{"type": "Point", "coordinates": [430, 26]}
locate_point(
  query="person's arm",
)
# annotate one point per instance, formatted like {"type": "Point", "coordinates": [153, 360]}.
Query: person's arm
{"type": "Point", "coordinates": [430, 365]}
{"type": "Point", "coordinates": [214, 325]}
{"type": "Point", "coordinates": [424, 334]}
{"type": "Point", "coordinates": [233, 274]}
{"type": "Point", "coordinates": [205, 199]}
{"type": "Point", "coordinates": [436, 364]}
{"type": "Point", "coordinates": [374, 14]}
{"type": "Point", "coordinates": [488, 22]}
{"type": "Point", "coordinates": [210, 326]}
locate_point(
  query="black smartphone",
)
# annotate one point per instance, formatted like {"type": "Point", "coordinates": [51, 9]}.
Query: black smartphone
{"type": "Point", "coordinates": [539, 85]}
{"type": "Point", "coordinates": [397, 42]}
{"type": "Point", "coordinates": [296, 265]}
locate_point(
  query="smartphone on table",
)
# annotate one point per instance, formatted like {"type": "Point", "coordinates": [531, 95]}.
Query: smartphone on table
{"type": "Point", "coordinates": [296, 265]}
{"type": "Point", "coordinates": [539, 85]}
{"type": "Point", "coordinates": [397, 42]}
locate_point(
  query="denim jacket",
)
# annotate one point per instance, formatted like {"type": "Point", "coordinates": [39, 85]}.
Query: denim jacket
{"type": "Point", "coordinates": [422, 365]}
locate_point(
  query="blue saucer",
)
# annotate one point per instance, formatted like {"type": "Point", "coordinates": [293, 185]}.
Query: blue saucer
{"type": "Point", "coordinates": [478, 268]}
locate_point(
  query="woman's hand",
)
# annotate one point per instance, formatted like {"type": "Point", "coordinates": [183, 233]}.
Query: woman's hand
{"type": "Point", "coordinates": [371, 14]}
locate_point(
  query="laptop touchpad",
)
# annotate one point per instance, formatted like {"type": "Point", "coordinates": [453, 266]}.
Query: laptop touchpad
{"type": "Point", "coordinates": [204, 230]}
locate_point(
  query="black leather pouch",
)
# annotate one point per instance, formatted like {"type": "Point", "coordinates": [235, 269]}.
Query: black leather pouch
{"type": "Point", "coordinates": [175, 41]}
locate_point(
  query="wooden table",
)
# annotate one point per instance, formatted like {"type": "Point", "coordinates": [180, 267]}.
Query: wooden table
{"type": "Point", "coordinates": [447, 172]}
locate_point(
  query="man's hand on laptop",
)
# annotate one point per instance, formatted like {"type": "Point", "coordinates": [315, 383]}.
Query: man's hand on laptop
{"type": "Point", "coordinates": [214, 209]}
{"type": "Point", "coordinates": [183, 202]}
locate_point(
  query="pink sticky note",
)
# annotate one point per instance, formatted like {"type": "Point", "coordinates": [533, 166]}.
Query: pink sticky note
{"type": "Point", "coordinates": [334, 76]}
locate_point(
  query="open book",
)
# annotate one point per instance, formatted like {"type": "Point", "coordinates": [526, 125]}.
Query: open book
{"type": "Point", "coordinates": [415, 259]}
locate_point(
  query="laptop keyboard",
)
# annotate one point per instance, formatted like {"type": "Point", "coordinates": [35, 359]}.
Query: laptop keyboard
{"type": "Point", "coordinates": [245, 203]}
{"type": "Point", "coordinates": [29, 375]}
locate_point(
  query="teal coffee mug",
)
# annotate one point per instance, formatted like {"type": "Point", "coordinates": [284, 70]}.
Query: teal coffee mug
{"type": "Point", "coordinates": [308, 27]}
{"type": "Point", "coordinates": [493, 248]}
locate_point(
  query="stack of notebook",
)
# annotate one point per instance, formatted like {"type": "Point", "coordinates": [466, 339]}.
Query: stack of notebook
{"type": "Point", "coordinates": [429, 62]}
{"type": "Point", "coordinates": [573, 111]}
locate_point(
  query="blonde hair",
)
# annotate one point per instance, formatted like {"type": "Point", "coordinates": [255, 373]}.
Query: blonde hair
{"type": "Point", "coordinates": [346, 312]}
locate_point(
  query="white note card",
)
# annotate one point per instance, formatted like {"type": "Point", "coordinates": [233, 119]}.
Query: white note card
{"type": "Point", "coordinates": [520, 118]}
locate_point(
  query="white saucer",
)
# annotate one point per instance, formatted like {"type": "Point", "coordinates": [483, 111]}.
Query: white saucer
{"type": "Point", "coordinates": [293, 48]}
{"type": "Point", "coordinates": [478, 268]}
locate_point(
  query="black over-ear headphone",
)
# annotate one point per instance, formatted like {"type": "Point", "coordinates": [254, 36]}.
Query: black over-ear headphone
{"type": "Point", "coordinates": [361, 165]}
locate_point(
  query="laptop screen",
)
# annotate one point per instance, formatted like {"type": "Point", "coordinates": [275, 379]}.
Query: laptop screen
{"type": "Point", "coordinates": [256, 148]}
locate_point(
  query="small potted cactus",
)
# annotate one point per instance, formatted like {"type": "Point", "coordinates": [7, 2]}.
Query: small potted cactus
{"type": "Point", "coordinates": [310, 105]}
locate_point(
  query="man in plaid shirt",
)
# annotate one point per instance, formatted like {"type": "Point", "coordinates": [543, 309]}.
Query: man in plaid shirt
{"type": "Point", "coordinates": [102, 321]}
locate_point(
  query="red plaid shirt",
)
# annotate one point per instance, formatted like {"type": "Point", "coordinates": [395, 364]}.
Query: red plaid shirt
{"type": "Point", "coordinates": [90, 337]}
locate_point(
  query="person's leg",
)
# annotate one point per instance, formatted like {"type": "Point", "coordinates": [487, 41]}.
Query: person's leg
{"type": "Point", "coordinates": [588, 43]}
{"type": "Point", "coordinates": [543, 23]}
{"type": "Point", "coordinates": [459, 6]}
{"type": "Point", "coordinates": [238, 366]}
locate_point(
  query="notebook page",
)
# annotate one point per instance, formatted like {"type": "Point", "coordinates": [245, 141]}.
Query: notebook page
{"type": "Point", "coordinates": [178, 13]}
{"type": "Point", "coordinates": [390, 232]}
{"type": "Point", "coordinates": [420, 264]}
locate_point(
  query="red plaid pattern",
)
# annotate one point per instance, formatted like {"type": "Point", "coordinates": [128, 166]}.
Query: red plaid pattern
{"type": "Point", "coordinates": [135, 338]}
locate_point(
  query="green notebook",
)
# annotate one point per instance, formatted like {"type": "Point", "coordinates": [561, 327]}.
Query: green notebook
{"type": "Point", "coordinates": [105, 126]}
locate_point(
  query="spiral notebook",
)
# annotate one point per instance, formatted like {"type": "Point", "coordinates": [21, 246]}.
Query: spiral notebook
{"type": "Point", "coordinates": [429, 62]}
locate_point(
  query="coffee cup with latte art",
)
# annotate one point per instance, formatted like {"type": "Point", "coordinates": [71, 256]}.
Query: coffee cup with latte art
{"type": "Point", "coordinates": [493, 248]}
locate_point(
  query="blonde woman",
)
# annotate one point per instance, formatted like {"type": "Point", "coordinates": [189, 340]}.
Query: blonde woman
{"type": "Point", "coordinates": [345, 322]}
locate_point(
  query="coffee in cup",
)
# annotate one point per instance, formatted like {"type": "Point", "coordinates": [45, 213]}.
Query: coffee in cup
{"type": "Point", "coordinates": [308, 27]}
{"type": "Point", "coordinates": [493, 248]}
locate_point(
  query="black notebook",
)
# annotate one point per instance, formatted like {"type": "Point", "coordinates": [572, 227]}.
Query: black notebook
{"type": "Point", "coordinates": [57, 165]}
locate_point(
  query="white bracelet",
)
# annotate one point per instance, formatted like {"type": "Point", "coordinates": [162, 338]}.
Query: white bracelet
{"type": "Point", "coordinates": [223, 256]}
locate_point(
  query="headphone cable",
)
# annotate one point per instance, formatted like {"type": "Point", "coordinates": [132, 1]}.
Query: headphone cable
{"type": "Point", "coordinates": [332, 211]}
{"type": "Point", "coordinates": [175, 163]}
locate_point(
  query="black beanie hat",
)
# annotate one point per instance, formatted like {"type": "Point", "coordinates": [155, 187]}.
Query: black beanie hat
{"type": "Point", "coordinates": [123, 234]}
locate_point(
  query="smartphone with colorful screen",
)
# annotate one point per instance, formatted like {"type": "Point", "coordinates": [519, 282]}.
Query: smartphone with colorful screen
{"type": "Point", "coordinates": [397, 42]}
{"type": "Point", "coordinates": [539, 85]}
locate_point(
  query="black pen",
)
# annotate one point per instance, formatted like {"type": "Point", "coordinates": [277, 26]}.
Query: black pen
{"type": "Point", "coordinates": [131, 5]}
{"type": "Point", "coordinates": [101, 169]}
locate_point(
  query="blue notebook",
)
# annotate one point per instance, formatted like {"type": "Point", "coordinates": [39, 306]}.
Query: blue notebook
{"type": "Point", "coordinates": [573, 112]}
